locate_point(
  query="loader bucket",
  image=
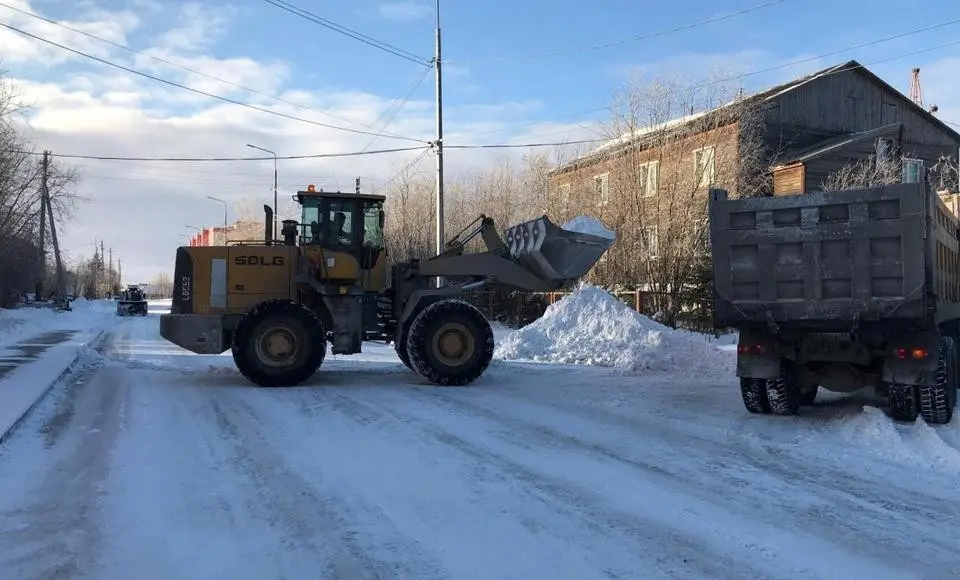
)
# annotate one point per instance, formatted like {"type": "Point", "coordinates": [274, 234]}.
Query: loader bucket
{"type": "Point", "coordinates": [553, 253]}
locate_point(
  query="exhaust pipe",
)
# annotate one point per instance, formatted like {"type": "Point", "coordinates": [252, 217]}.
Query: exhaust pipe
{"type": "Point", "coordinates": [268, 225]}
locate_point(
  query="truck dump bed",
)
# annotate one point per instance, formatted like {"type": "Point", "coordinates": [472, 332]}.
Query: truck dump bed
{"type": "Point", "coordinates": [833, 259]}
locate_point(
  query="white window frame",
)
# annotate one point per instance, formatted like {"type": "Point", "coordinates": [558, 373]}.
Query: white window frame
{"type": "Point", "coordinates": [706, 179]}
{"type": "Point", "coordinates": [650, 178]}
{"type": "Point", "coordinates": [601, 186]}
{"type": "Point", "coordinates": [910, 165]}
{"type": "Point", "coordinates": [645, 236]}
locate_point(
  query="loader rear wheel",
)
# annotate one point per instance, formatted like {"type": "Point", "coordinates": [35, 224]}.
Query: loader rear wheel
{"type": "Point", "coordinates": [400, 345]}
{"type": "Point", "coordinates": [450, 343]}
{"type": "Point", "coordinates": [279, 344]}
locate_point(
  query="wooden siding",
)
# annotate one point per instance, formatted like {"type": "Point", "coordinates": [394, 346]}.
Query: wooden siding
{"type": "Point", "coordinates": [789, 180]}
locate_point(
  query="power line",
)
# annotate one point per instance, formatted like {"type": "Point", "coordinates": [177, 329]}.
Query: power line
{"type": "Point", "coordinates": [621, 42]}
{"type": "Point", "coordinates": [179, 66]}
{"type": "Point", "coordinates": [202, 159]}
{"type": "Point", "coordinates": [197, 91]}
{"type": "Point", "coordinates": [766, 70]}
{"type": "Point", "coordinates": [348, 32]}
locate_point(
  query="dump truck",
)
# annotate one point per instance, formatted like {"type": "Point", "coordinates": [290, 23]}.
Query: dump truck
{"type": "Point", "coordinates": [132, 302]}
{"type": "Point", "coordinates": [841, 290]}
{"type": "Point", "coordinates": [277, 303]}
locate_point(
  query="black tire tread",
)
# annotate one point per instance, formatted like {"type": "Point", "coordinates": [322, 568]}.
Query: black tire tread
{"type": "Point", "coordinates": [783, 392]}
{"type": "Point", "coordinates": [245, 359]}
{"type": "Point", "coordinates": [754, 394]}
{"type": "Point", "coordinates": [937, 399]}
{"type": "Point", "coordinates": [903, 402]}
{"type": "Point", "coordinates": [417, 344]}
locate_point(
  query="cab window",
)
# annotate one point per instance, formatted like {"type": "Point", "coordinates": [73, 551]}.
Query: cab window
{"type": "Point", "coordinates": [372, 232]}
{"type": "Point", "coordinates": [310, 220]}
{"type": "Point", "coordinates": [340, 226]}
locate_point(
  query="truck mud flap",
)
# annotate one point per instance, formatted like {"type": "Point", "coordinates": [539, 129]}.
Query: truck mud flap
{"type": "Point", "coordinates": [912, 359]}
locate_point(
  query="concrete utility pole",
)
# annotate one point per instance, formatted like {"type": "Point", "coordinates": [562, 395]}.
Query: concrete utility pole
{"type": "Point", "coordinates": [225, 207]}
{"type": "Point", "coordinates": [441, 241]}
{"type": "Point", "coordinates": [38, 289]}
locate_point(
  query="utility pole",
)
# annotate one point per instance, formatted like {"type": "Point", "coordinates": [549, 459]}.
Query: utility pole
{"type": "Point", "coordinates": [101, 259]}
{"type": "Point", "coordinates": [441, 241]}
{"type": "Point", "coordinates": [45, 196]}
{"type": "Point", "coordinates": [110, 273]}
{"type": "Point", "coordinates": [38, 290]}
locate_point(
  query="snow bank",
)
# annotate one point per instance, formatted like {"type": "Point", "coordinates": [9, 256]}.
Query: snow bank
{"type": "Point", "coordinates": [594, 328]}
{"type": "Point", "coordinates": [587, 225]}
{"type": "Point", "coordinates": [20, 323]}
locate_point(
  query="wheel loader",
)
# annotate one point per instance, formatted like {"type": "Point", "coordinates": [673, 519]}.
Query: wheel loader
{"type": "Point", "coordinates": [132, 302]}
{"type": "Point", "coordinates": [277, 303]}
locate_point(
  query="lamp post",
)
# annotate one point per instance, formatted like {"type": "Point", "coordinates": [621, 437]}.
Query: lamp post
{"type": "Point", "coordinates": [225, 206]}
{"type": "Point", "coordinates": [274, 186]}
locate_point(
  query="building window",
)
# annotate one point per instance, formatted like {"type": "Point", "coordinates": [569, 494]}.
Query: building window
{"type": "Point", "coordinates": [564, 195]}
{"type": "Point", "coordinates": [601, 184]}
{"type": "Point", "coordinates": [649, 177]}
{"type": "Point", "coordinates": [912, 170]}
{"type": "Point", "coordinates": [705, 166]}
{"type": "Point", "coordinates": [648, 236]}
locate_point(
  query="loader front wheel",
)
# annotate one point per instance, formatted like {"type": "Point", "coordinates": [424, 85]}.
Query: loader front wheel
{"type": "Point", "coordinates": [450, 343]}
{"type": "Point", "coordinates": [279, 344]}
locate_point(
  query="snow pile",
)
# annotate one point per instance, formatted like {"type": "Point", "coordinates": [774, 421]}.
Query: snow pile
{"type": "Point", "coordinates": [20, 323]}
{"type": "Point", "coordinates": [587, 225]}
{"type": "Point", "coordinates": [592, 327]}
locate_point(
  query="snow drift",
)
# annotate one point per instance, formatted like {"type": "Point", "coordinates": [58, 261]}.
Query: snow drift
{"type": "Point", "coordinates": [592, 327]}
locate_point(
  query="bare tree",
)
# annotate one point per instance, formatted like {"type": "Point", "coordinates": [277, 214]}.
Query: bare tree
{"type": "Point", "coordinates": [879, 170]}
{"type": "Point", "coordinates": [670, 141]}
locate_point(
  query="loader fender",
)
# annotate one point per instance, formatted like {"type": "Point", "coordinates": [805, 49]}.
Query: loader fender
{"type": "Point", "coordinates": [419, 300]}
{"type": "Point", "coordinates": [911, 359]}
{"type": "Point", "coordinates": [758, 354]}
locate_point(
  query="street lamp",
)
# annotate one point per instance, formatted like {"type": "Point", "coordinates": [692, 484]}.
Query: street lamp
{"type": "Point", "coordinates": [274, 186]}
{"type": "Point", "coordinates": [224, 216]}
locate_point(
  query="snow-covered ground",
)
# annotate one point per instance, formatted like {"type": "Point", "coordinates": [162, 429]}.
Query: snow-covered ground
{"type": "Point", "coordinates": [154, 463]}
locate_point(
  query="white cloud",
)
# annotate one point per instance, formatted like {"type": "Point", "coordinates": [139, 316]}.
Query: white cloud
{"type": "Point", "coordinates": [142, 209]}
{"type": "Point", "coordinates": [405, 10]}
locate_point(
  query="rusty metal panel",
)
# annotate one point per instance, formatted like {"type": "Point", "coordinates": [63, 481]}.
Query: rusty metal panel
{"type": "Point", "coordinates": [833, 259]}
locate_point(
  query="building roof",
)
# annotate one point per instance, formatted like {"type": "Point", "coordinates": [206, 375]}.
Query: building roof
{"type": "Point", "coordinates": [836, 143]}
{"type": "Point", "coordinates": [762, 96]}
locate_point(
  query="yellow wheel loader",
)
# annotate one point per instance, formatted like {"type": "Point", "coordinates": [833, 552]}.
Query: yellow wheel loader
{"type": "Point", "coordinates": [277, 303]}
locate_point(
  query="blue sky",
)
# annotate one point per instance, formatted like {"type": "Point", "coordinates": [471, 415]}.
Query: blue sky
{"type": "Point", "coordinates": [504, 82]}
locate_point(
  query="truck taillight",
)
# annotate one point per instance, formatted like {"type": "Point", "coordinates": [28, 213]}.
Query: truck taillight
{"type": "Point", "coordinates": [750, 349]}
{"type": "Point", "coordinates": [914, 353]}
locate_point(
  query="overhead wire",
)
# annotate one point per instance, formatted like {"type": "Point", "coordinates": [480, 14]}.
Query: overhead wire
{"type": "Point", "coordinates": [571, 51]}
{"type": "Point", "coordinates": [217, 159]}
{"type": "Point", "coordinates": [762, 71]}
{"type": "Point", "coordinates": [180, 66]}
{"type": "Point", "coordinates": [326, 23]}
{"type": "Point", "coordinates": [198, 91]}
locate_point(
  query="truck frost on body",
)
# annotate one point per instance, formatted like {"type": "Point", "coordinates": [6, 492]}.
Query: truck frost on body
{"type": "Point", "coordinates": [841, 290]}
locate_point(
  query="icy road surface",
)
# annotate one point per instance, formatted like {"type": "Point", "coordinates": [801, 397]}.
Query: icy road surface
{"type": "Point", "coordinates": [153, 463]}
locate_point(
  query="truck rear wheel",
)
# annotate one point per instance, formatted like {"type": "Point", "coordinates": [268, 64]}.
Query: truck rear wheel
{"type": "Point", "coordinates": [450, 343]}
{"type": "Point", "coordinates": [754, 393]}
{"type": "Point", "coordinates": [937, 400]}
{"type": "Point", "coordinates": [903, 402]}
{"type": "Point", "coordinates": [279, 344]}
{"type": "Point", "coordinates": [783, 392]}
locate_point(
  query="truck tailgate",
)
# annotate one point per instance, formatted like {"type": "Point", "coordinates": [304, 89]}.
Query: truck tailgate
{"type": "Point", "coordinates": [825, 259]}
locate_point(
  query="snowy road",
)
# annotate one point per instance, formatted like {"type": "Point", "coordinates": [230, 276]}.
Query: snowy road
{"type": "Point", "coordinates": [155, 464]}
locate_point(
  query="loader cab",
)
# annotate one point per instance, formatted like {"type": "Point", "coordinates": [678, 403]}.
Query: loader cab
{"type": "Point", "coordinates": [344, 222]}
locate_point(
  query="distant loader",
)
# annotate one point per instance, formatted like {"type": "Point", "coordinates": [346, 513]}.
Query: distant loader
{"type": "Point", "coordinates": [132, 302]}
